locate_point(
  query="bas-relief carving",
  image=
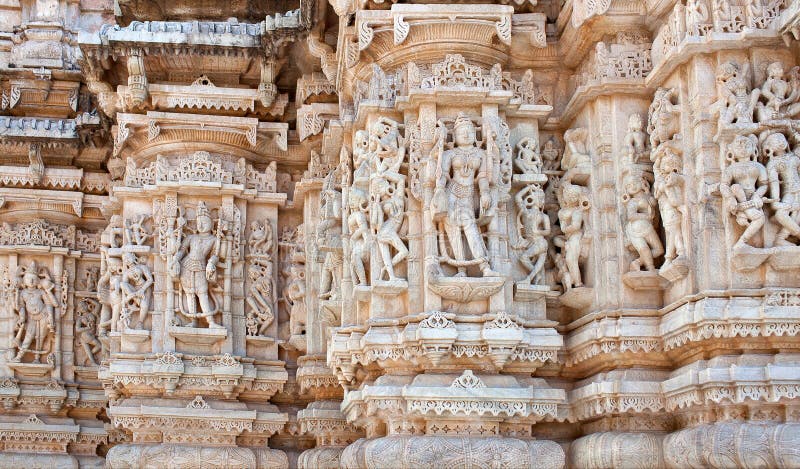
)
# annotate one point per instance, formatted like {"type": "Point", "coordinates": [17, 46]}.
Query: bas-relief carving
{"type": "Point", "coordinates": [194, 265]}
{"type": "Point", "coordinates": [438, 237]}
{"type": "Point", "coordinates": [36, 311]}
{"type": "Point", "coordinates": [463, 174]}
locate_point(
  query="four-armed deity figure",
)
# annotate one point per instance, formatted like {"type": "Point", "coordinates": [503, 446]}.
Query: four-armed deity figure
{"type": "Point", "coordinates": [465, 171]}
{"type": "Point", "coordinates": [195, 264]}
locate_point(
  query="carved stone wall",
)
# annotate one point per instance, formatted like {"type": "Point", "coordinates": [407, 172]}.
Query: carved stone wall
{"type": "Point", "coordinates": [399, 235]}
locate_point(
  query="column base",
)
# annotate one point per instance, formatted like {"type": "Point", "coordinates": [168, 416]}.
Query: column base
{"type": "Point", "coordinates": [324, 457]}
{"type": "Point", "coordinates": [136, 456]}
{"type": "Point", "coordinates": [421, 452]}
{"type": "Point", "coordinates": [11, 460]}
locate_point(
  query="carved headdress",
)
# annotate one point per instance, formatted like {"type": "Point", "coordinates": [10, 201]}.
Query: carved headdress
{"type": "Point", "coordinates": [202, 211]}
{"type": "Point", "coordinates": [463, 120]}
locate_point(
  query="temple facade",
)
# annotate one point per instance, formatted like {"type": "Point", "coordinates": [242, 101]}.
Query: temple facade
{"type": "Point", "coordinates": [375, 234]}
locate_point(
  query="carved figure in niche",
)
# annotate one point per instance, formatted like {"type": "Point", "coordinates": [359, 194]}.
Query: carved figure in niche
{"type": "Point", "coordinates": [295, 295]}
{"type": "Point", "coordinates": [361, 160]}
{"type": "Point", "coordinates": [459, 171]}
{"type": "Point", "coordinates": [135, 231]}
{"type": "Point", "coordinates": [551, 154]}
{"type": "Point", "coordinates": [557, 255]}
{"type": "Point", "coordinates": [109, 291]}
{"type": "Point", "coordinates": [528, 159]}
{"type": "Point", "coordinates": [640, 231]}
{"type": "Point", "coordinates": [330, 227]}
{"type": "Point", "coordinates": [574, 202]}
{"type": "Point", "coordinates": [387, 150]}
{"type": "Point", "coordinates": [331, 277]}
{"type": "Point", "coordinates": [784, 186]}
{"type": "Point", "coordinates": [261, 238]}
{"type": "Point", "coordinates": [35, 162]}
{"type": "Point", "coordinates": [196, 264]}
{"type": "Point", "coordinates": [635, 140]}
{"type": "Point", "coordinates": [735, 103]}
{"type": "Point", "coordinates": [779, 95]}
{"type": "Point", "coordinates": [85, 325]}
{"type": "Point", "coordinates": [663, 121]}
{"type": "Point", "coordinates": [696, 17]}
{"type": "Point", "coordinates": [113, 235]}
{"type": "Point", "coordinates": [533, 225]}
{"type": "Point", "coordinates": [360, 235]}
{"type": "Point", "coordinates": [577, 161]}
{"type": "Point", "coordinates": [743, 185]}
{"type": "Point", "coordinates": [90, 278]}
{"type": "Point", "coordinates": [388, 145]}
{"type": "Point", "coordinates": [136, 281]}
{"type": "Point", "coordinates": [669, 189]}
{"type": "Point", "coordinates": [35, 309]}
{"type": "Point", "coordinates": [388, 237]}
{"type": "Point", "coordinates": [260, 297]}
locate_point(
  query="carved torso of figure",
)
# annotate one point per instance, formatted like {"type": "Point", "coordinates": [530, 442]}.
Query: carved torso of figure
{"type": "Point", "coordinates": [193, 265]}
{"type": "Point", "coordinates": [465, 163]}
{"type": "Point", "coordinates": [635, 139]}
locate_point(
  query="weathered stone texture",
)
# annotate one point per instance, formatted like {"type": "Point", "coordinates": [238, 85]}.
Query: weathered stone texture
{"type": "Point", "coordinates": [399, 235]}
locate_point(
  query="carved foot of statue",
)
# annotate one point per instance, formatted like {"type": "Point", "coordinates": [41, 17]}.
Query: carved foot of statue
{"type": "Point", "coordinates": [488, 272]}
{"type": "Point", "coordinates": [213, 325]}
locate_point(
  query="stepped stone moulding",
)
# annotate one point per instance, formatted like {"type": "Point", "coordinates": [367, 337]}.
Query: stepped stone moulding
{"type": "Point", "coordinates": [365, 234]}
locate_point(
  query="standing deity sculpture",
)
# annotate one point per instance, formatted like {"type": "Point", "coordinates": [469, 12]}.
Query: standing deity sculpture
{"type": "Point", "coordinates": [360, 236]}
{"type": "Point", "coordinates": [85, 324]}
{"type": "Point", "coordinates": [640, 231]}
{"type": "Point", "coordinates": [463, 172]}
{"type": "Point", "coordinates": [135, 283]}
{"type": "Point", "coordinates": [35, 314]}
{"type": "Point", "coordinates": [109, 292]}
{"type": "Point", "coordinates": [743, 185]}
{"type": "Point", "coordinates": [635, 141]}
{"type": "Point", "coordinates": [329, 232]}
{"type": "Point", "coordinates": [784, 186]}
{"type": "Point", "coordinates": [669, 190]}
{"type": "Point", "coordinates": [296, 295]}
{"type": "Point", "coordinates": [195, 265]}
{"type": "Point", "coordinates": [533, 225]}
{"type": "Point", "coordinates": [574, 202]}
